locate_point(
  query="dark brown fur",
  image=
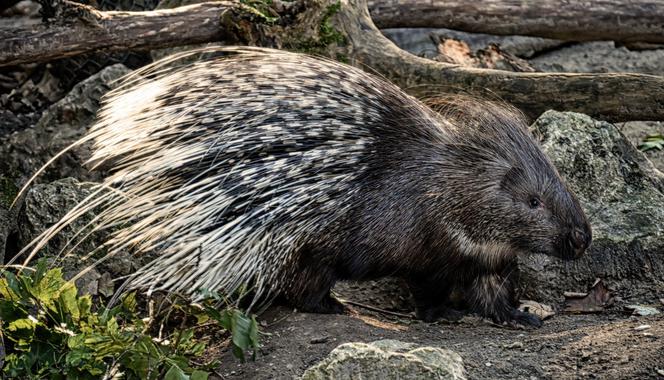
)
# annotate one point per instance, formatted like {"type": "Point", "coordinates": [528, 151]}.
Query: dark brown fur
{"type": "Point", "coordinates": [449, 218]}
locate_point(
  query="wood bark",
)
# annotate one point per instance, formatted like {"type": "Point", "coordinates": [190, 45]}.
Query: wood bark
{"type": "Point", "coordinates": [114, 31]}
{"type": "Point", "coordinates": [618, 20]}
{"type": "Point", "coordinates": [612, 96]}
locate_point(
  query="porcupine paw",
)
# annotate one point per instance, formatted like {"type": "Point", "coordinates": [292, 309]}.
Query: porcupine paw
{"type": "Point", "coordinates": [518, 318]}
{"type": "Point", "coordinates": [327, 305]}
{"type": "Point", "coordinates": [526, 319]}
{"type": "Point", "coordinates": [433, 314]}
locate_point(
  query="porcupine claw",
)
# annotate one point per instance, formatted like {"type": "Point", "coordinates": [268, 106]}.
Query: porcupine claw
{"type": "Point", "coordinates": [520, 318]}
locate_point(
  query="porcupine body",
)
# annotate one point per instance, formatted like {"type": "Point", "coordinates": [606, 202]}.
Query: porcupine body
{"type": "Point", "coordinates": [288, 173]}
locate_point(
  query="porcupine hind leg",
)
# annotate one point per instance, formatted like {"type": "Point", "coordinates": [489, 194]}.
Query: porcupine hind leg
{"type": "Point", "coordinates": [432, 300]}
{"type": "Point", "coordinates": [309, 286]}
{"type": "Point", "coordinates": [492, 296]}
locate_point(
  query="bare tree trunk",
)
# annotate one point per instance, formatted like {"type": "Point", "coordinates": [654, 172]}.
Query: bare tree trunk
{"type": "Point", "coordinates": [618, 20]}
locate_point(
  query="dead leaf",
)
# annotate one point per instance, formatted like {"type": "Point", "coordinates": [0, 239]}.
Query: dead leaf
{"type": "Point", "coordinates": [595, 301]}
{"type": "Point", "coordinates": [455, 51]}
{"type": "Point", "coordinates": [539, 309]}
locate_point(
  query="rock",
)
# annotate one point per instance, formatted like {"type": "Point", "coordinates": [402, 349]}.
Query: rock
{"type": "Point", "coordinates": [22, 153]}
{"type": "Point", "coordinates": [622, 194]}
{"type": "Point", "coordinates": [637, 131]}
{"type": "Point", "coordinates": [417, 41]}
{"type": "Point", "coordinates": [539, 309]}
{"type": "Point", "coordinates": [45, 205]}
{"type": "Point", "coordinates": [387, 359]}
{"type": "Point", "coordinates": [600, 57]}
{"type": "Point", "coordinates": [642, 310]}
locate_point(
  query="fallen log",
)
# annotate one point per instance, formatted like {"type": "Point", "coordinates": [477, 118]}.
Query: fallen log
{"type": "Point", "coordinates": [117, 30]}
{"type": "Point", "coordinates": [617, 20]}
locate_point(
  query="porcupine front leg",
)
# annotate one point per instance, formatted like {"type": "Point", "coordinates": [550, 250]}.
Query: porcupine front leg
{"type": "Point", "coordinates": [492, 295]}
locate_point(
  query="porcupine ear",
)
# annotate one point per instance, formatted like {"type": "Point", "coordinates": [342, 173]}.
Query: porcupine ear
{"type": "Point", "coordinates": [512, 178]}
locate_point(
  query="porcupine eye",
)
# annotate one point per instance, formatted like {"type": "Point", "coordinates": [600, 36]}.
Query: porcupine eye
{"type": "Point", "coordinates": [534, 203]}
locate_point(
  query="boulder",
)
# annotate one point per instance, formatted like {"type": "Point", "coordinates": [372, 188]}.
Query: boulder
{"type": "Point", "coordinates": [622, 194]}
{"type": "Point", "coordinates": [23, 152]}
{"type": "Point", "coordinates": [45, 205]}
{"type": "Point", "coordinates": [387, 359]}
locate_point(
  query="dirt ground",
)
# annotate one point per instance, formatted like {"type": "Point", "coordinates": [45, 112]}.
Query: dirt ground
{"type": "Point", "coordinates": [607, 345]}
{"type": "Point", "coordinates": [602, 346]}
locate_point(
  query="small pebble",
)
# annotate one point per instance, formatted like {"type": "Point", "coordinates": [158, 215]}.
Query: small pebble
{"type": "Point", "coordinates": [642, 327]}
{"type": "Point", "coordinates": [642, 310]}
{"type": "Point", "coordinates": [488, 364]}
{"type": "Point", "coordinates": [514, 345]}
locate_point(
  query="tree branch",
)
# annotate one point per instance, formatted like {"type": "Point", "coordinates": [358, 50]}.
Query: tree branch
{"type": "Point", "coordinates": [618, 20]}
{"type": "Point", "coordinates": [115, 31]}
{"type": "Point", "coordinates": [613, 96]}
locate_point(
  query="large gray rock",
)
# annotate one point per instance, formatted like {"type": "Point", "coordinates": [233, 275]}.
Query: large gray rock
{"type": "Point", "coordinates": [622, 193]}
{"type": "Point", "coordinates": [22, 153]}
{"type": "Point", "coordinates": [387, 359]}
{"type": "Point", "coordinates": [600, 56]}
{"type": "Point", "coordinates": [47, 204]}
{"type": "Point", "coordinates": [44, 205]}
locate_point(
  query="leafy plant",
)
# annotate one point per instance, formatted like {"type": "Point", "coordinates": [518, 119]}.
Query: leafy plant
{"type": "Point", "coordinates": [244, 329]}
{"type": "Point", "coordinates": [652, 142]}
{"type": "Point", "coordinates": [48, 331]}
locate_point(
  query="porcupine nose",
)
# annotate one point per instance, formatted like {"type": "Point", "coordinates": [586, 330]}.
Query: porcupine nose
{"type": "Point", "coordinates": [580, 240]}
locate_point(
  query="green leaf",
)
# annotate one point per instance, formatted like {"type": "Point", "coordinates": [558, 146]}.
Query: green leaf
{"type": "Point", "coordinates": [652, 142]}
{"type": "Point", "coordinates": [48, 288]}
{"type": "Point", "coordinates": [241, 330]}
{"type": "Point", "coordinates": [56, 334]}
{"type": "Point", "coordinates": [129, 302]}
{"type": "Point", "coordinates": [22, 324]}
{"type": "Point", "coordinates": [10, 288]}
{"type": "Point", "coordinates": [68, 302]}
{"type": "Point", "coordinates": [11, 310]}
{"type": "Point", "coordinates": [84, 306]}
{"type": "Point", "coordinates": [175, 373]}
{"type": "Point", "coordinates": [185, 336]}
{"type": "Point", "coordinates": [199, 375]}
{"type": "Point", "coordinates": [40, 271]}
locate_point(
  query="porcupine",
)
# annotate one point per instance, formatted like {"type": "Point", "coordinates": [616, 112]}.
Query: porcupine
{"type": "Point", "coordinates": [287, 173]}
